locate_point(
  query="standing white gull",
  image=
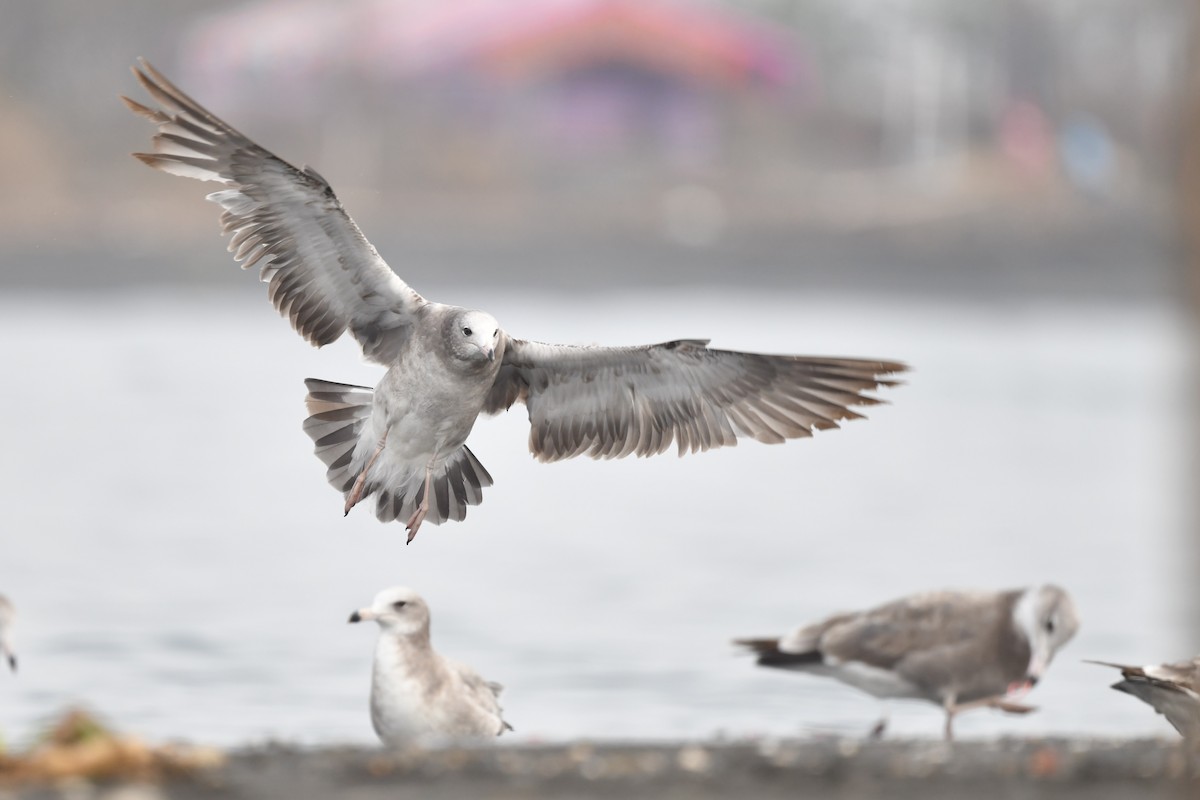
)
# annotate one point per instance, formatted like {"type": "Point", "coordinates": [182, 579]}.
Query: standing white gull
{"type": "Point", "coordinates": [1173, 690]}
{"type": "Point", "coordinates": [961, 650]}
{"type": "Point", "coordinates": [416, 694]}
{"type": "Point", "coordinates": [7, 614]}
{"type": "Point", "coordinates": [405, 440]}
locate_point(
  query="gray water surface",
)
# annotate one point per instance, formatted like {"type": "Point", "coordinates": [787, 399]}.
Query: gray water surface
{"type": "Point", "coordinates": [181, 566]}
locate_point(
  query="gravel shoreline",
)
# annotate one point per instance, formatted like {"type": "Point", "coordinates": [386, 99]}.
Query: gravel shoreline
{"type": "Point", "coordinates": [811, 768]}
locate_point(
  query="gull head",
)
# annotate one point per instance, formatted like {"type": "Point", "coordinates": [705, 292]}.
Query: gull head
{"type": "Point", "coordinates": [1047, 617]}
{"type": "Point", "coordinates": [398, 610]}
{"type": "Point", "coordinates": [474, 336]}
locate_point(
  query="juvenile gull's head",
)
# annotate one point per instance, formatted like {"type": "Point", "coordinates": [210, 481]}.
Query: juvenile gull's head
{"type": "Point", "coordinates": [399, 611]}
{"type": "Point", "coordinates": [1047, 617]}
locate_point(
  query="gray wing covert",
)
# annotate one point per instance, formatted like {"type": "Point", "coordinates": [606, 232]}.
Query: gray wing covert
{"type": "Point", "coordinates": [610, 402]}
{"type": "Point", "coordinates": [486, 696]}
{"type": "Point", "coordinates": [908, 629]}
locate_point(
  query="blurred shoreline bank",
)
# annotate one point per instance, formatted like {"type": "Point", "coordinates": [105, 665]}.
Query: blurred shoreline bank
{"type": "Point", "coordinates": [816, 768]}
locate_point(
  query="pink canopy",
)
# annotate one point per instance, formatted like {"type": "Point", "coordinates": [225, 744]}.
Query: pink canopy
{"type": "Point", "coordinates": [503, 40]}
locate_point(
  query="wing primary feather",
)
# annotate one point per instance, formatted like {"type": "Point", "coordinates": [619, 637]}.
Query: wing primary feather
{"type": "Point", "coordinates": [324, 276]}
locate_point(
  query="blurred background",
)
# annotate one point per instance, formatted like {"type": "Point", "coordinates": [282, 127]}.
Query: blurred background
{"type": "Point", "coordinates": [1003, 195]}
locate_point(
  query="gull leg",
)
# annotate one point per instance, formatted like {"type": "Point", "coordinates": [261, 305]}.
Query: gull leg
{"type": "Point", "coordinates": [999, 703]}
{"type": "Point", "coordinates": [951, 710]}
{"type": "Point", "coordinates": [356, 492]}
{"type": "Point", "coordinates": [880, 726]}
{"type": "Point", "coordinates": [414, 522]}
{"type": "Point", "coordinates": [1012, 708]}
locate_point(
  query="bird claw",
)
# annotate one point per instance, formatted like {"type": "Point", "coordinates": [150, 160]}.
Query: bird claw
{"type": "Point", "coordinates": [414, 523]}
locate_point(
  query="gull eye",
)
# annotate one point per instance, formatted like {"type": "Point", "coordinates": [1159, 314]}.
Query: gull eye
{"type": "Point", "coordinates": [467, 331]}
{"type": "Point", "coordinates": [1049, 626]}
{"type": "Point", "coordinates": [399, 604]}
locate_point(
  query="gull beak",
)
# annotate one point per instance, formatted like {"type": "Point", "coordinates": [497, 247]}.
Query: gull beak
{"type": "Point", "coordinates": [362, 615]}
{"type": "Point", "coordinates": [12, 661]}
{"type": "Point", "coordinates": [490, 353]}
{"type": "Point", "coordinates": [1037, 665]}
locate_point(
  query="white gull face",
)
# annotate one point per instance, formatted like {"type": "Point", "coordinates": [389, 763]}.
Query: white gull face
{"type": "Point", "coordinates": [474, 336]}
{"type": "Point", "coordinates": [1047, 617]}
{"type": "Point", "coordinates": [399, 611]}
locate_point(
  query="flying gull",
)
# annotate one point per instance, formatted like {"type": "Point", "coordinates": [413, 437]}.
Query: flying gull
{"type": "Point", "coordinates": [1173, 690]}
{"type": "Point", "coordinates": [416, 694]}
{"type": "Point", "coordinates": [405, 441]}
{"type": "Point", "coordinates": [961, 650]}
{"type": "Point", "coordinates": [7, 613]}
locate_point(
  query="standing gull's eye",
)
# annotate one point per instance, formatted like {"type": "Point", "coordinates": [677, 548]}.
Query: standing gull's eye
{"type": "Point", "coordinates": [1050, 626]}
{"type": "Point", "coordinates": [399, 604]}
{"type": "Point", "coordinates": [467, 331]}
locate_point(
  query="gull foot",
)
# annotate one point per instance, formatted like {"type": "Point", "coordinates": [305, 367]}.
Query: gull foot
{"type": "Point", "coordinates": [414, 522]}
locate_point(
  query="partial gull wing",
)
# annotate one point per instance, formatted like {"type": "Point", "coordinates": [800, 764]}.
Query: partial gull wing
{"type": "Point", "coordinates": [484, 693]}
{"type": "Point", "coordinates": [609, 402]}
{"type": "Point", "coordinates": [906, 630]}
{"type": "Point", "coordinates": [1172, 690]}
{"type": "Point", "coordinates": [323, 274]}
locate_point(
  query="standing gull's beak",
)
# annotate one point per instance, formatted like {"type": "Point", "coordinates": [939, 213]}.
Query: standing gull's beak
{"type": "Point", "coordinates": [362, 615]}
{"type": "Point", "coordinates": [1038, 663]}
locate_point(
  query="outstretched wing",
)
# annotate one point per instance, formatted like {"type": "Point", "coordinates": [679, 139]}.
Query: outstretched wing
{"type": "Point", "coordinates": [612, 402]}
{"type": "Point", "coordinates": [322, 273]}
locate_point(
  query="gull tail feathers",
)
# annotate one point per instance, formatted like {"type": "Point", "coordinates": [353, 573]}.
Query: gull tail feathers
{"type": "Point", "coordinates": [769, 654]}
{"type": "Point", "coordinates": [337, 412]}
{"type": "Point", "coordinates": [457, 482]}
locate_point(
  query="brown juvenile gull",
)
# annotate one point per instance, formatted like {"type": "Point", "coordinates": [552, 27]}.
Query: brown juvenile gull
{"type": "Point", "coordinates": [1173, 690]}
{"type": "Point", "coordinates": [7, 614]}
{"type": "Point", "coordinates": [961, 650]}
{"type": "Point", "coordinates": [404, 441]}
{"type": "Point", "coordinates": [416, 694]}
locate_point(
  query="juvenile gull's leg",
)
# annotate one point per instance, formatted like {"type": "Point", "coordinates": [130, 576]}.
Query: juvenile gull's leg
{"type": "Point", "coordinates": [880, 726]}
{"type": "Point", "coordinates": [1007, 706]}
{"type": "Point", "coordinates": [357, 490]}
{"type": "Point", "coordinates": [951, 710]}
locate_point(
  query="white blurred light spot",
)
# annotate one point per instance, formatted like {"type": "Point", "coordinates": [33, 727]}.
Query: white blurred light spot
{"type": "Point", "coordinates": [693, 215]}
